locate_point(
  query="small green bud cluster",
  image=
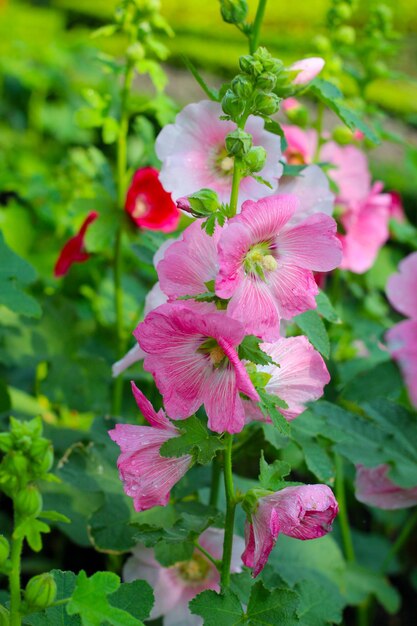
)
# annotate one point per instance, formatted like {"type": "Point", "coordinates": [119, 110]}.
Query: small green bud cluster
{"type": "Point", "coordinates": [234, 11]}
{"type": "Point", "coordinates": [202, 203]}
{"type": "Point", "coordinates": [40, 592]}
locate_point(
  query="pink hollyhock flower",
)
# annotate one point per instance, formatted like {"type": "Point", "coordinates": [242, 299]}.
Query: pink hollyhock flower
{"type": "Point", "coordinates": [366, 229]}
{"type": "Point", "coordinates": [374, 487]}
{"type": "Point", "coordinates": [300, 377]}
{"type": "Point", "coordinates": [301, 145]}
{"type": "Point", "coordinates": [289, 104]}
{"type": "Point", "coordinates": [266, 266]}
{"type": "Point", "coordinates": [304, 512]}
{"type": "Point", "coordinates": [147, 476]}
{"type": "Point", "coordinates": [174, 587]}
{"type": "Point", "coordinates": [148, 204]}
{"type": "Point", "coordinates": [194, 156]}
{"type": "Point", "coordinates": [189, 263]}
{"type": "Point", "coordinates": [351, 172]}
{"type": "Point", "coordinates": [74, 250]}
{"type": "Point", "coordinates": [396, 207]}
{"type": "Point", "coordinates": [402, 338]}
{"type": "Point", "coordinates": [312, 190]}
{"type": "Point", "coordinates": [307, 69]}
{"type": "Point", "coordinates": [191, 353]}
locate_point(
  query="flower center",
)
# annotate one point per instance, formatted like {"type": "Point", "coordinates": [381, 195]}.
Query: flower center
{"type": "Point", "coordinates": [211, 348]}
{"type": "Point", "coordinates": [259, 260]}
{"type": "Point", "coordinates": [294, 157]}
{"type": "Point", "coordinates": [141, 208]}
{"type": "Point", "coordinates": [195, 570]}
{"type": "Point", "coordinates": [216, 355]}
{"type": "Point", "coordinates": [222, 163]}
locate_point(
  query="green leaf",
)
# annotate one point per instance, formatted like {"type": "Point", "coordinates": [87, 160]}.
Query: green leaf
{"type": "Point", "coordinates": [213, 94]}
{"type": "Point", "coordinates": [57, 615]}
{"type": "Point", "coordinates": [90, 601]}
{"type": "Point", "coordinates": [268, 406]}
{"type": "Point", "coordinates": [195, 439]}
{"type": "Point", "coordinates": [155, 72]}
{"type": "Point", "coordinates": [31, 529]}
{"type": "Point", "coordinates": [54, 516]}
{"type": "Point", "coordinates": [109, 526]}
{"type": "Point", "coordinates": [271, 475]}
{"type": "Point", "coordinates": [272, 608]}
{"type": "Point", "coordinates": [309, 432]}
{"type": "Point", "coordinates": [218, 609]}
{"type": "Point", "coordinates": [361, 582]}
{"type": "Point", "coordinates": [404, 232]}
{"type": "Point", "coordinates": [319, 604]}
{"type": "Point", "coordinates": [136, 598]}
{"type": "Point", "coordinates": [168, 553]}
{"type": "Point", "coordinates": [326, 309]}
{"type": "Point", "coordinates": [250, 350]}
{"type": "Point", "coordinates": [311, 324]}
{"type": "Point", "coordinates": [15, 272]}
{"type": "Point", "coordinates": [110, 130]}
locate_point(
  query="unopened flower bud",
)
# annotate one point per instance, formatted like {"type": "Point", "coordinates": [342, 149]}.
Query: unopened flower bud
{"type": "Point", "coordinates": [266, 81]}
{"type": "Point", "coordinates": [4, 550]}
{"type": "Point", "coordinates": [238, 143]}
{"type": "Point", "coordinates": [345, 35]}
{"type": "Point", "coordinates": [255, 158]}
{"type": "Point", "coordinates": [342, 135]}
{"type": "Point", "coordinates": [232, 105]}
{"type": "Point", "coordinates": [234, 11]}
{"type": "Point", "coordinates": [28, 502]}
{"type": "Point", "coordinates": [45, 462]}
{"type": "Point", "coordinates": [266, 103]}
{"type": "Point", "coordinates": [40, 591]}
{"type": "Point", "coordinates": [183, 204]}
{"type": "Point", "coordinates": [135, 52]}
{"type": "Point", "coordinates": [306, 69]}
{"type": "Point", "coordinates": [203, 203]}
{"type": "Point", "coordinates": [250, 65]}
{"type": "Point", "coordinates": [298, 115]}
{"type": "Point", "coordinates": [242, 86]}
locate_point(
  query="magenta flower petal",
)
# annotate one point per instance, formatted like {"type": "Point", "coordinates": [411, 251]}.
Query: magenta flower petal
{"type": "Point", "coordinates": [74, 250]}
{"type": "Point", "coordinates": [374, 487]}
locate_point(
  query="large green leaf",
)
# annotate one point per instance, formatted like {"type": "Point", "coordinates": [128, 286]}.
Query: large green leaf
{"type": "Point", "coordinates": [218, 609]}
{"type": "Point", "coordinates": [311, 324]}
{"type": "Point", "coordinates": [15, 273]}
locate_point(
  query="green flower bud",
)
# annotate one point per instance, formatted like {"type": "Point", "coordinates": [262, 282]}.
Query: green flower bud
{"type": "Point", "coordinates": [321, 43]}
{"type": "Point", "coordinates": [45, 463]}
{"type": "Point", "coordinates": [343, 11]}
{"type": "Point", "coordinates": [28, 502]}
{"type": "Point", "coordinates": [232, 105]}
{"type": "Point", "coordinates": [266, 104]}
{"type": "Point", "coordinates": [4, 550]}
{"type": "Point", "coordinates": [40, 591]}
{"type": "Point", "coordinates": [135, 52]}
{"type": "Point", "coordinates": [266, 81]}
{"type": "Point", "coordinates": [234, 11]}
{"type": "Point", "coordinates": [342, 135]}
{"type": "Point", "coordinates": [238, 143]}
{"type": "Point", "coordinates": [345, 35]}
{"type": "Point", "coordinates": [4, 616]}
{"type": "Point", "coordinates": [255, 159]}
{"type": "Point", "coordinates": [298, 116]}
{"type": "Point", "coordinates": [250, 65]}
{"type": "Point", "coordinates": [242, 86]}
{"type": "Point", "coordinates": [203, 203]}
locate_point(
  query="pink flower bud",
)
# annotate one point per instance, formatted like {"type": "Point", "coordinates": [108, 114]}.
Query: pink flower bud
{"type": "Point", "coordinates": [307, 69]}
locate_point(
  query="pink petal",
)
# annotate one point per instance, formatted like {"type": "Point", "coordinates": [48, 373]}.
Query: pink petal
{"type": "Point", "coordinates": [402, 287]}
{"type": "Point", "coordinates": [294, 289]}
{"type": "Point", "coordinates": [312, 190]}
{"type": "Point", "coordinates": [351, 173]}
{"type": "Point", "coordinates": [157, 420]}
{"type": "Point", "coordinates": [373, 487]}
{"type": "Point", "coordinates": [402, 344]}
{"type": "Point", "coordinates": [254, 306]}
{"type": "Point", "coordinates": [308, 69]}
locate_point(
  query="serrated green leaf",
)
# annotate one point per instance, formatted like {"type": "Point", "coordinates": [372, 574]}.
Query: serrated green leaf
{"type": "Point", "coordinates": [218, 609]}
{"type": "Point", "coordinates": [311, 324]}
{"type": "Point", "coordinates": [325, 308]}
{"type": "Point", "coordinates": [272, 608]}
{"type": "Point", "coordinates": [31, 529]}
{"type": "Point", "coordinates": [250, 350]}
{"type": "Point", "coordinates": [320, 603]}
{"type": "Point", "coordinates": [268, 406]}
{"type": "Point", "coordinates": [168, 553]}
{"type": "Point", "coordinates": [271, 475]}
{"type": "Point", "coordinates": [195, 439]}
{"type": "Point", "coordinates": [136, 598]}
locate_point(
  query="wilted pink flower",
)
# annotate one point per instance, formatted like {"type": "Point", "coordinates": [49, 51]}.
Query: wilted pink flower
{"type": "Point", "coordinates": [402, 338]}
{"type": "Point", "coordinates": [147, 476]}
{"type": "Point", "coordinates": [191, 353]}
{"type": "Point", "coordinates": [373, 487]}
{"type": "Point", "coordinates": [175, 586]}
{"type": "Point", "coordinates": [307, 69]}
{"type": "Point", "coordinates": [304, 512]}
{"type": "Point", "coordinates": [189, 263]}
{"type": "Point", "coordinates": [74, 250]}
{"type": "Point", "coordinates": [148, 204]}
{"type": "Point", "coordinates": [193, 154]}
{"type": "Point", "coordinates": [366, 229]}
{"type": "Point", "coordinates": [266, 266]}
{"type": "Point", "coordinates": [300, 377]}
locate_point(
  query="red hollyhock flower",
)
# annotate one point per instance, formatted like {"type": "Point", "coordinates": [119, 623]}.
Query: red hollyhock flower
{"type": "Point", "coordinates": [148, 204]}
{"type": "Point", "coordinates": [74, 251]}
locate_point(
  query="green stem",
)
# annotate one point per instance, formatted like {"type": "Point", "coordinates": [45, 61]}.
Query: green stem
{"type": "Point", "coordinates": [208, 556]}
{"type": "Point", "coordinates": [343, 516]}
{"type": "Point", "coordinates": [234, 196]}
{"type": "Point", "coordinates": [118, 257]}
{"type": "Point", "coordinates": [400, 541]}
{"type": "Point", "coordinates": [256, 28]}
{"type": "Point", "coordinates": [215, 482]}
{"type": "Point", "coordinates": [319, 128]}
{"type": "Point", "coordinates": [14, 582]}
{"type": "Point", "coordinates": [230, 513]}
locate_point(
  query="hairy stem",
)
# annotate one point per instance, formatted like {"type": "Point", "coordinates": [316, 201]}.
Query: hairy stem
{"type": "Point", "coordinates": [14, 582]}
{"type": "Point", "coordinates": [230, 513]}
{"type": "Point", "coordinates": [256, 28]}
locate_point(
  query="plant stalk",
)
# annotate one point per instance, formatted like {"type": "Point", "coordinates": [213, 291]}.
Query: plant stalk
{"type": "Point", "coordinates": [230, 513]}
{"type": "Point", "coordinates": [14, 582]}
{"type": "Point", "coordinates": [256, 28]}
{"type": "Point", "coordinates": [343, 516]}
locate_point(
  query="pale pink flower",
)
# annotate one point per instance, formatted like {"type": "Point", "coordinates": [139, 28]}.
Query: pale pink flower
{"type": "Point", "coordinates": [289, 104]}
{"type": "Point", "coordinates": [301, 145]}
{"type": "Point", "coordinates": [300, 377]}
{"type": "Point", "coordinates": [193, 154]}
{"type": "Point", "coordinates": [174, 587]}
{"type": "Point", "coordinates": [304, 512]}
{"type": "Point", "coordinates": [402, 338]}
{"type": "Point", "coordinates": [350, 172]}
{"type": "Point", "coordinates": [374, 487]}
{"type": "Point", "coordinates": [191, 353]}
{"type": "Point", "coordinates": [147, 476]}
{"type": "Point", "coordinates": [307, 69]}
{"type": "Point", "coordinates": [189, 263]}
{"type": "Point", "coordinates": [266, 266]}
{"type": "Point", "coordinates": [312, 189]}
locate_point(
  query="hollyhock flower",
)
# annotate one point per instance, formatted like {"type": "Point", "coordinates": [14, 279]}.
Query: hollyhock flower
{"type": "Point", "coordinates": [304, 512]}
{"type": "Point", "coordinates": [193, 154]}
{"type": "Point", "coordinates": [396, 207]}
{"type": "Point", "coordinates": [175, 586]}
{"type": "Point", "coordinates": [374, 487]}
{"type": "Point", "coordinates": [366, 229]}
{"type": "Point", "coordinates": [266, 266]}
{"type": "Point", "coordinates": [312, 189]}
{"type": "Point", "coordinates": [189, 263]}
{"type": "Point", "coordinates": [402, 338]}
{"type": "Point", "coordinates": [147, 476]}
{"type": "Point", "coordinates": [191, 353]}
{"type": "Point", "coordinates": [301, 145]}
{"type": "Point", "coordinates": [74, 249]}
{"type": "Point", "coordinates": [289, 104]}
{"type": "Point", "coordinates": [300, 377]}
{"type": "Point", "coordinates": [148, 204]}
{"type": "Point", "coordinates": [350, 172]}
{"type": "Point", "coordinates": [307, 69]}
